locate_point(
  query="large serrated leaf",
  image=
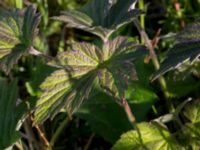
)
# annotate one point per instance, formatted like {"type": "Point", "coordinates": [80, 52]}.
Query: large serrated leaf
{"type": "Point", "coordinates": [152, 137]}
{"type": "Point", "coordinates": [187, 49]}
{"type": "Point", "coordinates": [101, 17]}
{"type": "Point", "coordinates": [10, 114]}
{"type": "Point", "coordinates": [17, 30]}
{"type": "Point", "coordinates": [79, 67]}
{"type": "Point", "coordinates": [67, 87]}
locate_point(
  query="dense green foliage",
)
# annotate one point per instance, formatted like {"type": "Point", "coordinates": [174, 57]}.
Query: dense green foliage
{"type": "Point", "coordinates": [85, 74]}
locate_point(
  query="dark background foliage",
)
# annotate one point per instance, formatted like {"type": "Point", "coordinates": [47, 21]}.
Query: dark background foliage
{"type": "Point", "coordinates": [100, 122]}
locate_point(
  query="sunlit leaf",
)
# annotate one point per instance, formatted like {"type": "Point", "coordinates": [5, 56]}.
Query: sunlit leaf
{"type": "Point", "coordinates": [79, 69]}
{"type": "Point", "coordinates": [17, 30]}
{"type": "Point", "coordinates": [67, 87]}
{"type": "Point", "coordinates": [10, 114]}
{"type": "Point", "coordinates": [101, 17]}
{"type": "Point", "coordinates": [152, 137]}
{"type": "Point", "coordinates": [192, 112]}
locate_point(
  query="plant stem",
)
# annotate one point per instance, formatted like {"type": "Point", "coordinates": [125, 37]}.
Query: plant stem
{"type": "Point", "coordinates": [59, 130]}
{"type": "Point", "coordinates": [179, 13]}
{"type": "Point", "coordinates": [86, 147]}
{"type": "Point", "coordinates": [132, 120]}
{"type": "Point", "coordinates": [19, 145]}
{"type": "Point", "coordinates": [128, 111]}
{"type": "Point", "coordinates": [142, 17]}
{"type": "Point", "coordinates": [42, 135]}
{"type": "Point", "coordinates": [31, 137]}
{"type": "Point", "coordinates": [155, 63]}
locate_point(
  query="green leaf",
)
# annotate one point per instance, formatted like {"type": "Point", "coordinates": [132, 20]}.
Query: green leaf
{"type": "Point", "coordinates": [101, 17]}
{"type": "Point", "coordinates": [10, 114]}
{"type": "Point", "coordinates": [187, 49]}
{"type": "Point", "coordinates": [17, 31]}
{"type": "Point", "coordinates": [79, 69]}
{"type": "Point", "coordinates": [100, 111]}
{"type": "Point", "coordinates": [152, 137]}
{"type": "Point", "coordinates": [192, 112]}
{"type": "Point", "coordinates": [181, 84]}
{"type": "Point", "coordinates": [68, 86]}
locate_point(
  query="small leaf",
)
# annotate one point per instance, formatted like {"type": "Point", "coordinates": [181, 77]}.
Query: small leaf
{"type": "Point", "coordinates": [17, 31]}
{"type": "Point", "coordinates": [10, 114]}
{"type": "Point", "coordinates": [187, 49]}
{"type": "Point", "coordinates": [152, 137]}
{"type": "Point", "coordinates": [101, 17]}
{"type": "Point", "coordinates": [78, 70]}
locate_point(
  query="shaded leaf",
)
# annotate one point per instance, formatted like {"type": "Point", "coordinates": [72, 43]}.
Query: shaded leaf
{"type": "Point", "coordinates": [10, 114]}
{"type": "Point", "coordinates": [79, 67]}
{"type": "Point", "coordinates": [17, 31]}
{"type": "Point", "coordinates": [187, 49]}
{"type": "Point", "coordinates": [101, 17]}
{"type": "Point", "coordinates": [181, 84]}
{"type": "Point", "coordinates": [152, 137]}
{"type": "Point", "coordinates": [100, 112]}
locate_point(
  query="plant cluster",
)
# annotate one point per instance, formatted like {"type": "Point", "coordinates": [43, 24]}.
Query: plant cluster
{"type": "Point", "coordinates": [121, 86]}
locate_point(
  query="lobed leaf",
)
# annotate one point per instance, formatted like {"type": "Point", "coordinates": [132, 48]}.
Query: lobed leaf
{"type": "Point", "coordinates": [101, 17]}
{"type": "Point", "coordinates": [17, 31]}
{"type": "Point", "coordinates": [192, 112]}
{"type": "Point", "coordinates": [187, 49]}
{"type": "Point", "coordinates": [162, 140]}
{"type": "Point", "coordinates": [79, 69]}
{"type": "Point", "coordinates": [67, 87]}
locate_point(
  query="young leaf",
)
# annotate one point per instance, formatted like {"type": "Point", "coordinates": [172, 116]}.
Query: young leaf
{"type": "Point", "coordinates": [10, 114]}
{"type": "Point", "coordinates": [79, 67]}
{"type": "Point", "coordinates": [152, 137]}
{"type": "Point", "coordinates": [17, 31]}
{"type": "Point", "coordinates": [187, 49]}
{"type": "Point", "coordinates": [101, 17]}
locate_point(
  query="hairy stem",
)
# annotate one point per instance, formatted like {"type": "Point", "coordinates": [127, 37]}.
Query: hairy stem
{"type": "Point", "coordinates": [128, 111]}
{"type": "Point", "coordinates": [132, 119]}
{"type": "Point", "coordinates": [42, 135]}
{"type": "Point", "coordinates": [155, 63]}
